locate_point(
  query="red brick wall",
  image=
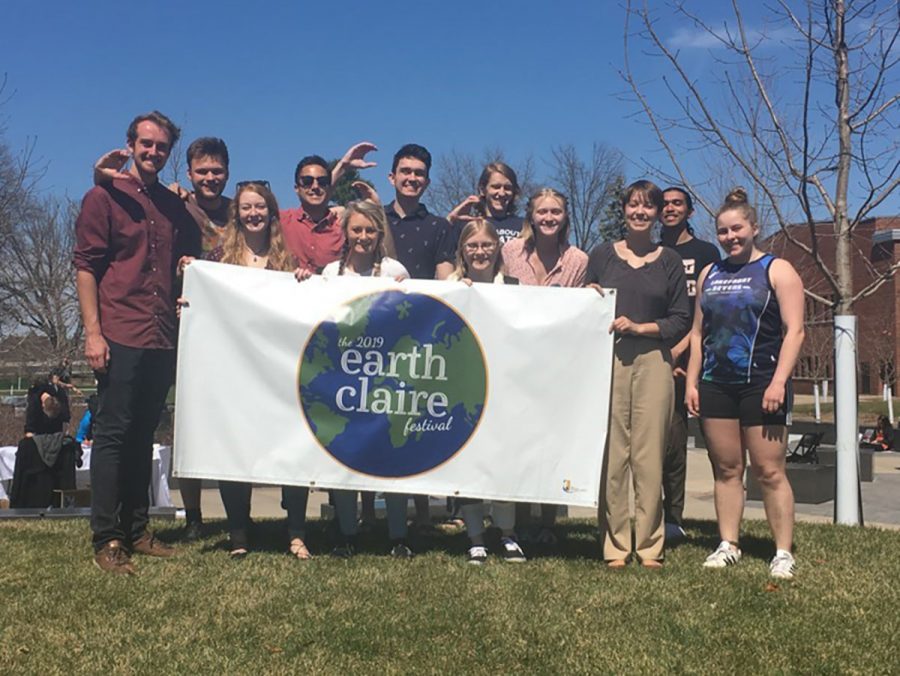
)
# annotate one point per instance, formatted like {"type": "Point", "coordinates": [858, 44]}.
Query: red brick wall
{"type": "Point", "coordinates": [878, 316]}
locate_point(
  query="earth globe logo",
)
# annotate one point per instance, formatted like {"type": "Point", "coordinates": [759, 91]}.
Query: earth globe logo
{"type": "Point", "coordinates": [393, 384]}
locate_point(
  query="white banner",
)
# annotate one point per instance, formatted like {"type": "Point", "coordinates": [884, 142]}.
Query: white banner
{"type": "Point", "coordinates": [489, 391]}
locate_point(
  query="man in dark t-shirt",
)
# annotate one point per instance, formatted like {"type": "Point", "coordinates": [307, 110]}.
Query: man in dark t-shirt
{"type": "Point", "coordinates": [207, 159]}
{"type": "Point", "coordinates": [426, 244]}
{"type": "Point", "coordinates": [695, 254]}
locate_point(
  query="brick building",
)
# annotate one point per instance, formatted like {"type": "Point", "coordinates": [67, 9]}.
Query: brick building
{"type": "Point", "coordinates": [876, 247]}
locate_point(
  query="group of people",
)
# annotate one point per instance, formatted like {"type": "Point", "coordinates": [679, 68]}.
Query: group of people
{"type": "Point", "coordinates": [693, 333]}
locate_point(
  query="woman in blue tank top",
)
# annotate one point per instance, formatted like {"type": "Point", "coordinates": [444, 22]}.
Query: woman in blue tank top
{"type": "Point", "coordinates": [747, 333]}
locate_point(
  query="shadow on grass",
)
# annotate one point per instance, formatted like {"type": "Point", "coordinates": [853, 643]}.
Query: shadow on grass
{"type": "Point", "coordinates": [576, 539]}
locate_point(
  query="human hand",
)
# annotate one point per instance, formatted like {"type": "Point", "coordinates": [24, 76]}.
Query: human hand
{"type": "Point", "coordinates": [679, 372]}
{"type": "Point", "coordinates": [597, 288]}
{"type": "Point", "coordinates": [110, 165]}
{"type": "Point", "coordinates": [463, 212]}
{"type": "Point", "coordinates": [183, 262]}
{"type": "Point", "coordinates": [302, 274]}
{"type": "Point", "coordinates": [181, 192]}
{"type": "Point", "coordinates": [364, 191]}
{"type": "Point", "coordinates": [773, 397]}
{"type": "Point", "coordinates": [180, 303]}
{"type": "Point", "coordinates": [623, 325]}
{"type": "Point", "coordinates": [466, 281]}
{"type": "Point", "coordinates": [356, 156]}
{"type": "Point", "coordinates": [692, 400]}
{"type": "Point", "coordinates": [96, 351]}
{"type": "Point", "coordinates": [50, 405]}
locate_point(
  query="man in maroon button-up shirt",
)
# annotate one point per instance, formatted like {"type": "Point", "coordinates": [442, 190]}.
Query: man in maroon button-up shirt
{"type": "Point", "coordinates": [130, 236]}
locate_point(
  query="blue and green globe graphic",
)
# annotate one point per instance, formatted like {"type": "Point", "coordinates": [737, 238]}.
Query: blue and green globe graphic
{"type": "Point", "coordinates": [393, 384]}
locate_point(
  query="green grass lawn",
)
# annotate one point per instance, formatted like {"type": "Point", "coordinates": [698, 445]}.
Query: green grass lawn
{"type": "Point", "coordinates": [869, 410]}
{"type": "Point", "coordinates": [559, 613]}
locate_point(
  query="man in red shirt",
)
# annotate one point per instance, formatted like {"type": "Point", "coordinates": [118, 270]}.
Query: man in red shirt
{"type": "Point", "coordinates": [312, 232]}
{"type": "Point", "coordinates": [130, 236]}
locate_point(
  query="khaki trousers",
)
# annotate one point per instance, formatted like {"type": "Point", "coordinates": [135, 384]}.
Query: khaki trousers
{"type": "Point", "coordinates": [641, 412]}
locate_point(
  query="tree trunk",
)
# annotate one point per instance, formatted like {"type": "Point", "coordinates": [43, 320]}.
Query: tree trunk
{"type": "Point", "coordinates": [846, 417]}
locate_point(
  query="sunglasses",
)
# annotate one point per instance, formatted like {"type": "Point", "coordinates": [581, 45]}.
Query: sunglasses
{"type": "Point", "coordinates": [243, 184]}
{"type": "Point", "coordinates": [307, 181]}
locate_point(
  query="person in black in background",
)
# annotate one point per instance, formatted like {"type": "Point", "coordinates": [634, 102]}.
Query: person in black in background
{"type": "Point", "coordinates": [46, 457]}
{"type": "Point", "coordinates": [696, 254]}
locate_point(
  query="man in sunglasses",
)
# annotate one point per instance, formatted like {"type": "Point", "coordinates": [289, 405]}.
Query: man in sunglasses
{"type": "Point", "coordinates": [311, 231]}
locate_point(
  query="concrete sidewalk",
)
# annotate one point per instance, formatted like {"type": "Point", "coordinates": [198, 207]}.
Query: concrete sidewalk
{"type": "Point", "coordinates": [881, 497]}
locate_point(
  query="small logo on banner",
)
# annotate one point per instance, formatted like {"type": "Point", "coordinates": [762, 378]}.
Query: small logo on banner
{"type": "Point", "coordinates": [568, 487]}
{"type": "Point", "coordinates": [393, 384]}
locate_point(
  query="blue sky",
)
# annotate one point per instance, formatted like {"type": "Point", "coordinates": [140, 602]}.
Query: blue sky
{"type": "Point", "coordinates": [279, 80]}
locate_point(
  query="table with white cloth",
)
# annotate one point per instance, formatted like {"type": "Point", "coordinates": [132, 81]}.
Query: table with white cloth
{"type": "Point", "coordinates": [159, 481]}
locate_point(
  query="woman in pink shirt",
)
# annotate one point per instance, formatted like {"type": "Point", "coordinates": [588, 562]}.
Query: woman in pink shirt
{"type": "Point", "coordinates": [542, 255]}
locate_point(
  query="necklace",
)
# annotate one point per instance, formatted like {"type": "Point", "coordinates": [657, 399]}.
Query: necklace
{"type": "Point", "coordinates": [256, 258]}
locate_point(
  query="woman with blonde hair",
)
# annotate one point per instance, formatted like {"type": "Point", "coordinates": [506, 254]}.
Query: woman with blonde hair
{"type": "Point", "coordinates": [478, 255]}
{"type": "Point", "coordinates": [542, 256]}
{"type": "Point", "coordinates": [368, 252]}
{"type": "Point", "coordinates": [368, 244]}
{"type": "Point", "coordinates": [254, 239]}
{"type": "Point", "coordinates": [747, 333]}
{"type": "Point", "coordinates": [478, 261]}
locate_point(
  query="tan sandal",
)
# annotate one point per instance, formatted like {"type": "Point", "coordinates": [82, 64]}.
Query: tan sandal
{"type": "Point", "coordinates": [299, 550]}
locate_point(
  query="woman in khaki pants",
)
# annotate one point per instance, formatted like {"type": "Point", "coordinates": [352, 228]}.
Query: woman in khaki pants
{"type": "Point", "coordinates": [651, 315]}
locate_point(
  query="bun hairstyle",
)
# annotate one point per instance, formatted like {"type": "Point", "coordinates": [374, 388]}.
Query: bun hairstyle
{"type": "Point", "coordinates": [736, 200]}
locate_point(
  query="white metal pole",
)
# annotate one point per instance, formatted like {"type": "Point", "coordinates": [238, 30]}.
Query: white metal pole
{"type": "Point", "coordinates": [825, 389]}
{"type": "Point", "coordinates": [846, 421]}
{"type": "Point", "coordinates": [818, 406]}
{"type": "Point", "coordinates": [890, 402]}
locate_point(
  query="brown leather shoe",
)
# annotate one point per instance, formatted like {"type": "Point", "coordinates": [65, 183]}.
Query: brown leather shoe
{"type": "Point", "coordinates": [113, 558]}
{"type": "Point", "coordinates": [149, 545]}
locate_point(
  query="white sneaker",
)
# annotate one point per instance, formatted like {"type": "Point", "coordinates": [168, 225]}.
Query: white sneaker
{"type": "Point", "coordinates": [782, 565]}
{"type": "Point", "coordinates": [477, 555]}
{"type": "Point", "coordinates": [726, 554]}
{"type": "Point", "coordinates": [512, 552]}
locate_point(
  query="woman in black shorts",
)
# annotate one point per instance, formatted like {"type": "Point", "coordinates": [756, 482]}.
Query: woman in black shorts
{"type": "Point", "coordinates": [747, 333]}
